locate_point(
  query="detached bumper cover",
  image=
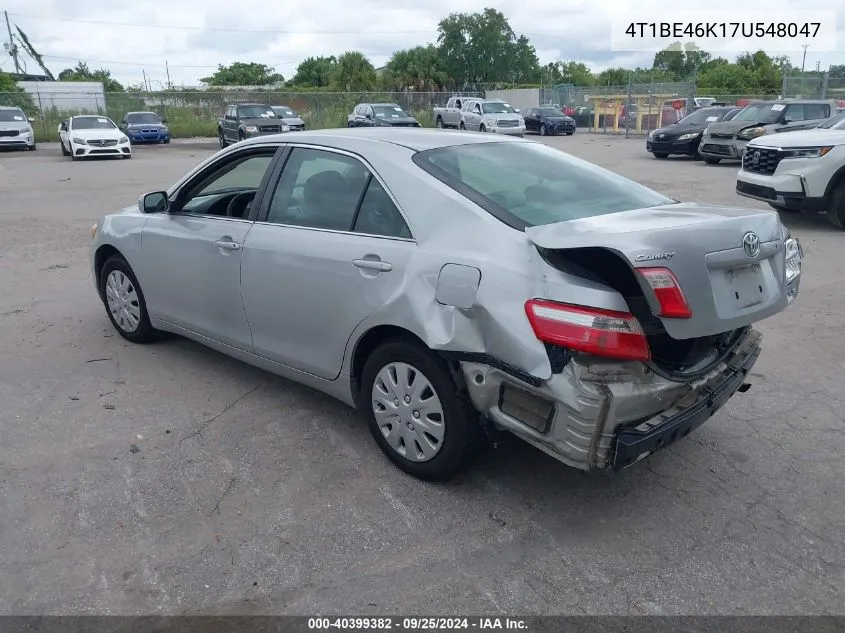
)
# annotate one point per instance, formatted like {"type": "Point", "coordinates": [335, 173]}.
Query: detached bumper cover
{"type": "Point", "coordinates": [636, 443]}
{"type": "Point", "coordinates": [596, 414]}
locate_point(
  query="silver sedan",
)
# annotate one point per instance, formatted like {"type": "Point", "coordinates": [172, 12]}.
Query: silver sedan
{"type": "Point", "coordinates": [454, 286]}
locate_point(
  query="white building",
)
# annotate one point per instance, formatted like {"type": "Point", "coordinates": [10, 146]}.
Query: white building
{"type": "Point", "coordinates": [72, 97]}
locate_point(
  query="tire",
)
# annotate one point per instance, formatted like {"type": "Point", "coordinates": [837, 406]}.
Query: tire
{"type": "Point", "coordinates": [570, 133]}
{"type": "Point", "coordinates": [32, 148]}
{"type": "Point", "coordinates": [459, 433]}
{"type": "Point", "coordinates": [660, 155]}
{"type": "Point", "coordinates": [241, 136]}
{"type": "Point", "coordinates": [462, 126]}
{"type": "Point", "coordinates": [712, 161]}
{"type": "Point", "coordinates": [221, 139]}
{"type": "Point", "coordinates": [167, 141]}
{"type": "Point", "coordinates": [439, 123]}
{"type": "Point", "coordinates": [482, 128]}
{"type": "Point", "coordinates": [117, 276]}
{"type": "Point", "coordinates": [64, 149]}
{"type": "Point", "coordinates": [349, 124]}
{"type": "Point", "coordinates": [542, 129]}
{"type": "Point", "coordinates": [836, 207]}
{"type": "Point", "coordinates": [126, 156]}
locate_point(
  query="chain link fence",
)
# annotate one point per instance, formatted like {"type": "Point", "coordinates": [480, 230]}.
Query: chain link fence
{"type": "Point", "coordinates": [194, 113]}
{"type": "Point", "coordinates": [629, 109]}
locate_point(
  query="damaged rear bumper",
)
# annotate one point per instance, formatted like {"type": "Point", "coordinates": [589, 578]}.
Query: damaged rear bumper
{"type": "Point", "coordinates": [602, 415]}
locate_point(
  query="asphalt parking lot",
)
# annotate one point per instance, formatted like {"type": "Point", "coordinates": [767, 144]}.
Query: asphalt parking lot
{"type": "Point", "coordinates": [171, 479]}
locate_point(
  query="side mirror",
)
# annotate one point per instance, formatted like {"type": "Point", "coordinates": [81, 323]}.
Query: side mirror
{"type": "Point", "coordinates": [30, 119]}
{"type": "Point", "coordinates": [516, 110]}
{"type": "Point", "coordinates": [155, 202]}
{"type": "Point", "coordinates": [164, 121]}
{"type": "Point", "coordinates": [63, 127]}
{"type": "Point", "coordinates": [368, 115]}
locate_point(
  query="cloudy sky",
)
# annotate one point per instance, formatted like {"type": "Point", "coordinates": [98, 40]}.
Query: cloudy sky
{"type": "Point", "coordinates": [129, 37]}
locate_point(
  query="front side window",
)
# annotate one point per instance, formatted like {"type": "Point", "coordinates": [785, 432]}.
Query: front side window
{"type": "Point", "coordinates": [814, 111]}
{"type": "Point", "coordinates": [92, 123]}
{"type": "Point", "coordinates": [212, 194]}
{"type": "Point", "coordinates": [528, 184]}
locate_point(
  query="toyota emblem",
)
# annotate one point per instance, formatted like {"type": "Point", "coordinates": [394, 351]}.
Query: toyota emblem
{"type": "Point", "coordinates": [661, 136]}
{"type": "Point", "coordinates": [751, 244]}
{"type": "Point", "coordinates": [755, 159]}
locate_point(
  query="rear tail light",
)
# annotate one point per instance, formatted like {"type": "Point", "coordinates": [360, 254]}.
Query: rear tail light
{"type": "Point", "coordinates": [591, 330]}
{"type": "Point", "coordinates": [668, 291]}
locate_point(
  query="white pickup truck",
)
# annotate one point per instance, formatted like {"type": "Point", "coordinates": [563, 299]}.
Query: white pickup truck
{"type": "Point", "coordinates": [450, 115]}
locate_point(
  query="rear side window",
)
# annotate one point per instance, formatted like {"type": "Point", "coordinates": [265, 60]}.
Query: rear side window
{"type": "Point", "coordinates": [529, 184]}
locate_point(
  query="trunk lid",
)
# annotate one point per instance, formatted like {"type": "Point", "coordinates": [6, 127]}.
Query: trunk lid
{"type": "Point", "coordinates": [727, 286]}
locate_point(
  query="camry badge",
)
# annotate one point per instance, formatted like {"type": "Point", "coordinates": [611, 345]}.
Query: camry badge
{"type": "Point", "coordinates": [650, 257]}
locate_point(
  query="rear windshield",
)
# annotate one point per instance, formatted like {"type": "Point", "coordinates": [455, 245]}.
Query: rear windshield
{"type": "Point", "coordinates": [531, 184]}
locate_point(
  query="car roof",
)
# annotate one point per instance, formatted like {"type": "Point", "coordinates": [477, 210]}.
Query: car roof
{"type": "Point", "coordinates": [352, 139]}
{"type": "Point", "coordinates": [384, 103]}
{"type": "Point", "coordinates": [90, 116]}
{"type": "Point", "coordinates": [2, 107]}
{"type": "Point", "coordinates": [250, 103]}
{"type": "Point", "coordinates": [142, 112]}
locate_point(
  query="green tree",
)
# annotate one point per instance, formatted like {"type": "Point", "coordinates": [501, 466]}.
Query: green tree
{"type": "Point", "coordinates": [576, 73]}
{"type": "Point", "coordinates": [680, 62]}
{"type": "Point", "coordinates": [419, 68]}
{"type": "Point", "coordinates": [721, 77]}
{"type": "Point", "coordinates": [12, 95]}
{"type": "Point", "coordinates": [613, 77]}
{"type": "Point", "coordinates": [766, 76]}
{"type": "Point", "coordinates": [482, 48]}
{"type": "Point", "coordinates": [315, 72]}
{"type": "Point", "coordinates": [354, 73]}
{"type": "Point", "coordinates": [243, 74]}
{"type": "Point", "coordinates": [81, 72]}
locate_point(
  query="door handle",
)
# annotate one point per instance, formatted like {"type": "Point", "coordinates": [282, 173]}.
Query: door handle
{"type": "Point", "coordinates": [227, 244]}
{"type": "Point", "coordinates": [371, 264]}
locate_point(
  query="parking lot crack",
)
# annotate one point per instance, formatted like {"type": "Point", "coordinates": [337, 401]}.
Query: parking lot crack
{"type": "Point", "coordinates": [204, 424]}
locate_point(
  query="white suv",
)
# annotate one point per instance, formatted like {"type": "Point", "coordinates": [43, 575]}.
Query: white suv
{"type": "Point", "coordinates": [797, 171]}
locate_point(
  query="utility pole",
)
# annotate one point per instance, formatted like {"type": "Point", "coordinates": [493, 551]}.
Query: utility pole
{"type": "Point", "coordinates": [804, 59]}
{"type": "Point", "coordinates": [167, 68]}
{"type": "Point", "coordinates": [13, 49]}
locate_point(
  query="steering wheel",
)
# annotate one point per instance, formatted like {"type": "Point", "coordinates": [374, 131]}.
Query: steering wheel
{"type": "Point", "coordinates": [239, 203]}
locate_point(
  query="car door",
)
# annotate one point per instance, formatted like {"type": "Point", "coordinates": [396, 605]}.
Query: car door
{"type": "Point", "coordinates": [472, 119]}
{"type": "Point", "coordinates": [454, 113]}
{"type": "Point", "coordinates": [191, 254]}
{"type": "Point", "coordinates": [230, 124]}
{"type": "Point", "coordinates": [331, 250]}
{"type": "Point", "coordinates": [530, 117]}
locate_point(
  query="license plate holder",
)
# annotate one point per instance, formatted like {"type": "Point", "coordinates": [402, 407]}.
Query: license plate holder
{"type": "Point", "coordinates": [746, 286]}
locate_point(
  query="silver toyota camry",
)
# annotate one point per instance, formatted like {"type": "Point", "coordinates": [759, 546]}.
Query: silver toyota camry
{"type": "Point", "coordinates": [454, 286]}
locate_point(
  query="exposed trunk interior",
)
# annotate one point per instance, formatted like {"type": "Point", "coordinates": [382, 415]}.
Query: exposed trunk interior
{"type": "Point", "coordinates": [682, 358]}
